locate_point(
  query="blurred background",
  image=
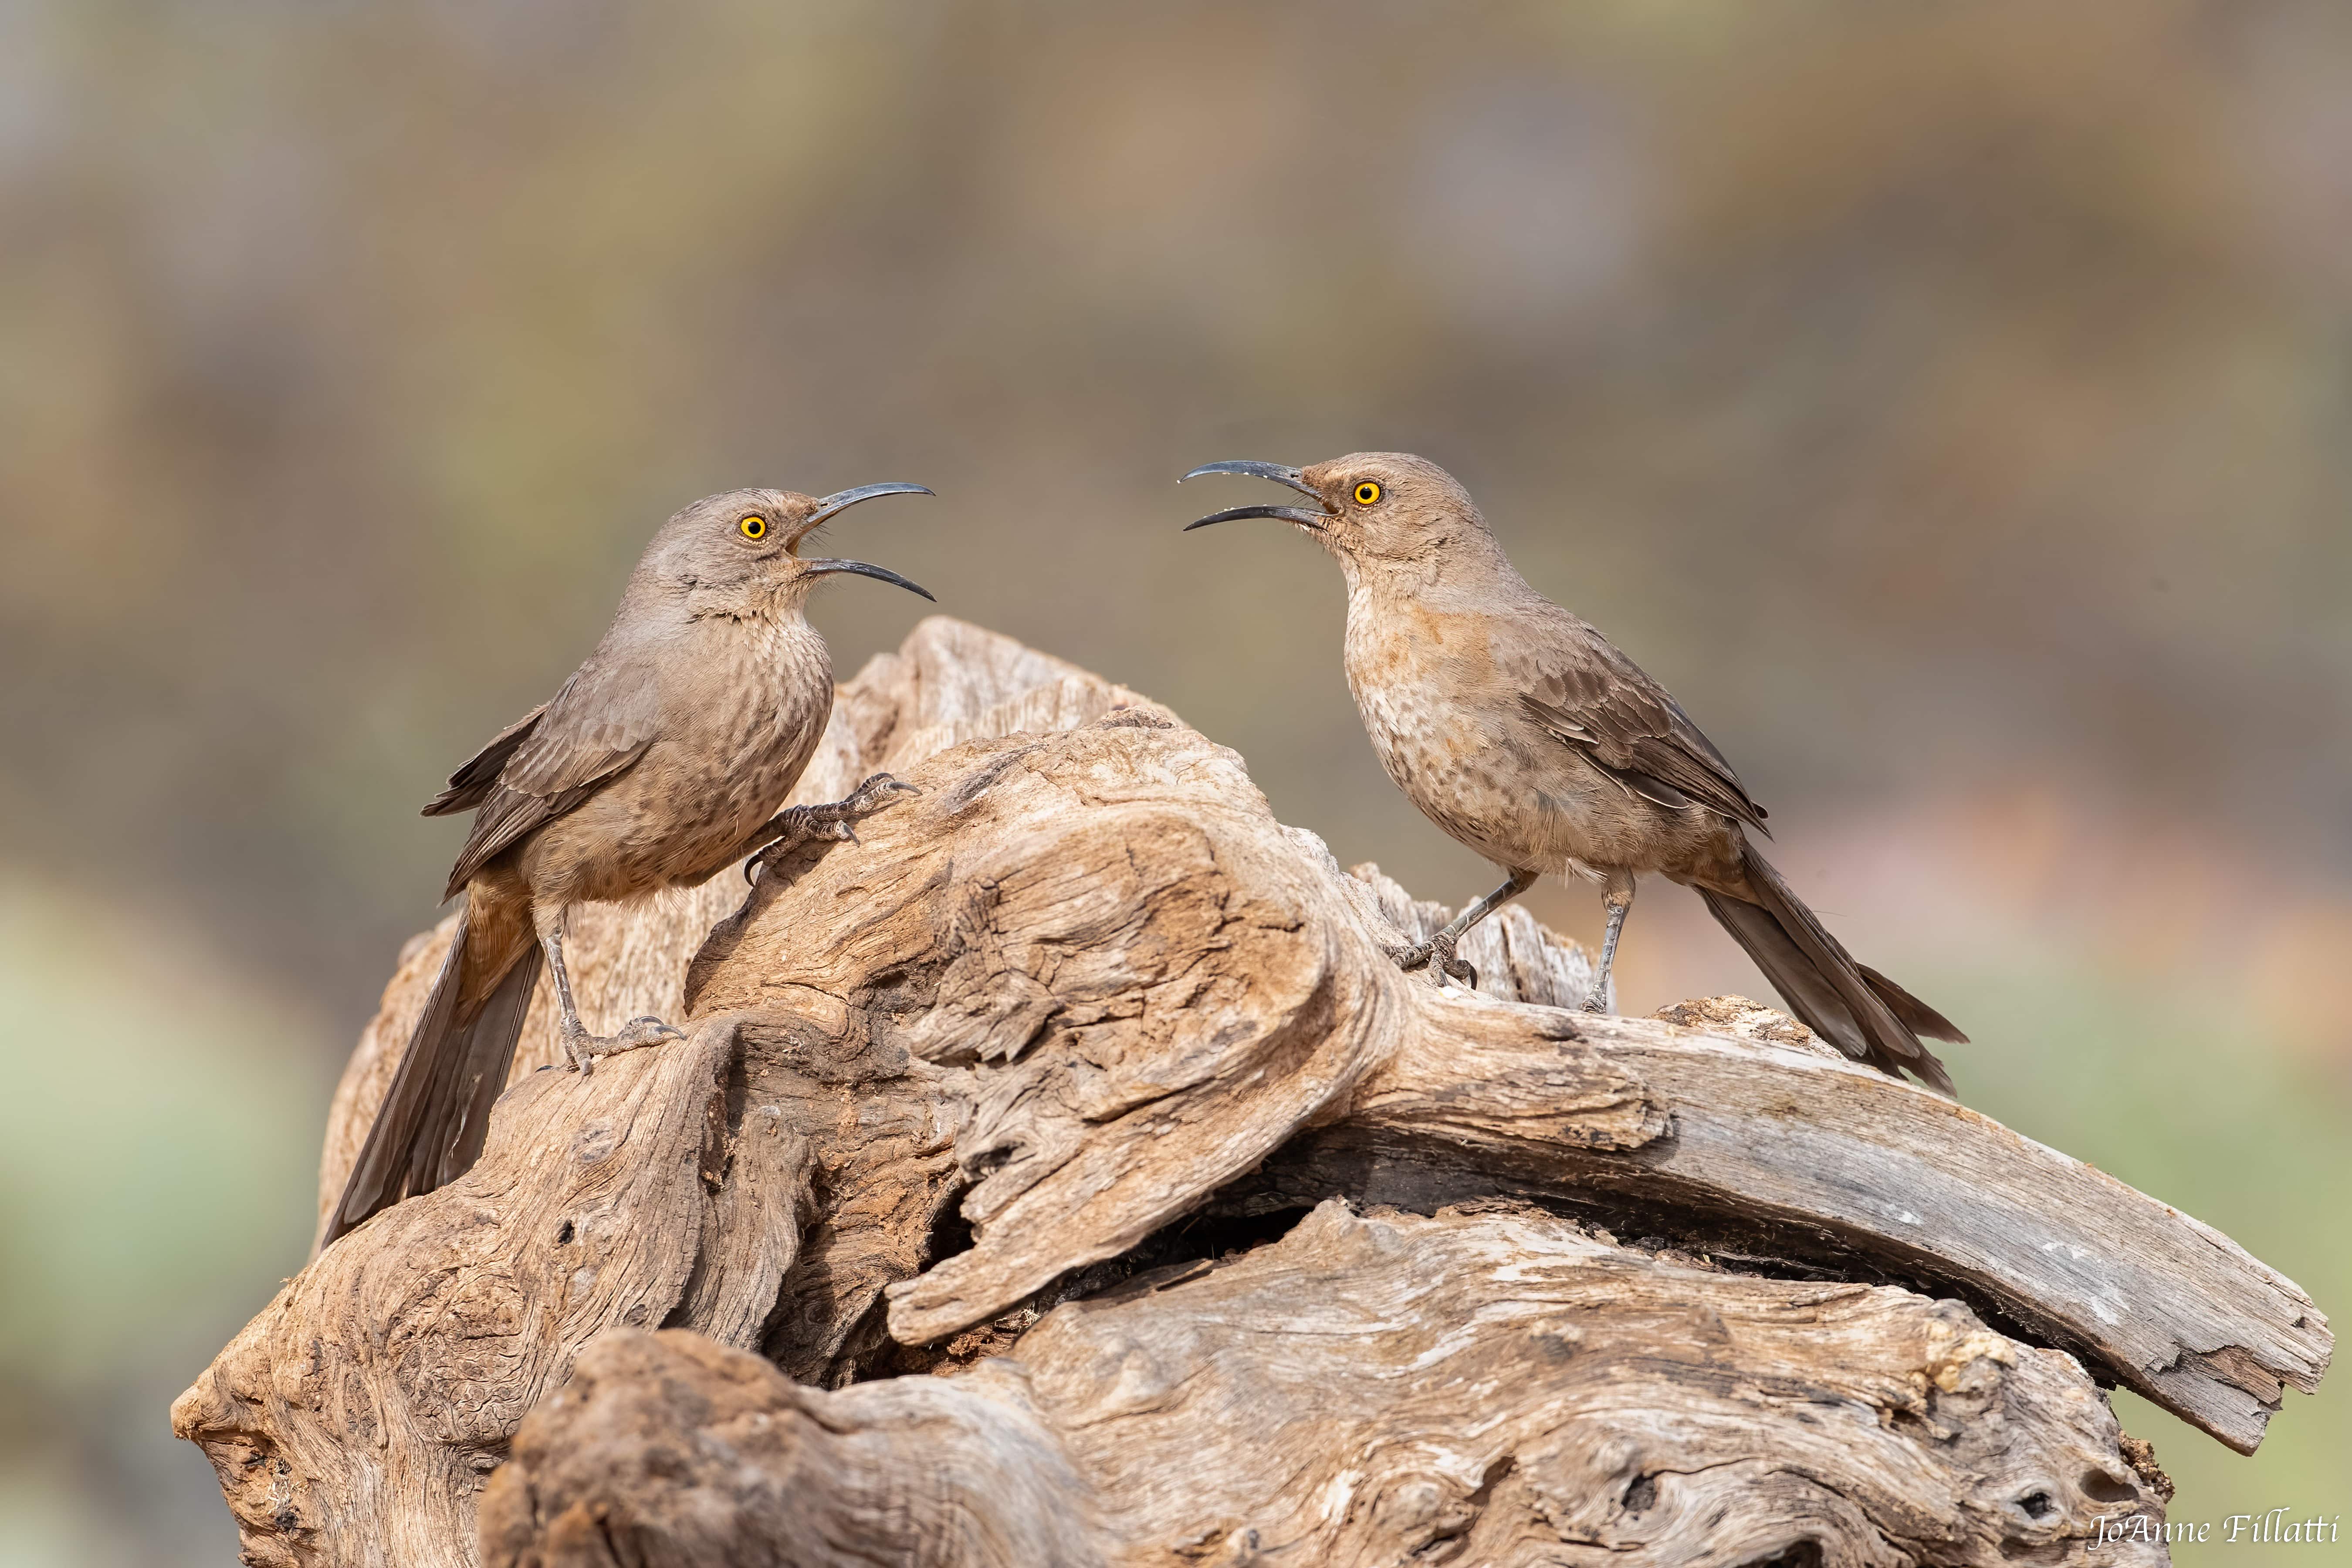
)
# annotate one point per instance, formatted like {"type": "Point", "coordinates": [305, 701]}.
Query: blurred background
{"type": "Point", "coordinates": [1951, 404]}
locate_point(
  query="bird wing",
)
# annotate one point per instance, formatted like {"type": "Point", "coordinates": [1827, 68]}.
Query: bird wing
{"type": "Point", "coordinates": [594, 730]}
{"type": "Point", "coordinates": [1577, 687]}
{"type": "Point", "coordinates": [471, 784]}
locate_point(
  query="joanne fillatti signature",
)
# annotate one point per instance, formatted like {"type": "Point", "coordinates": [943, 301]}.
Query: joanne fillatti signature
{"type": "Point", "coordinates": [2279, 1527]}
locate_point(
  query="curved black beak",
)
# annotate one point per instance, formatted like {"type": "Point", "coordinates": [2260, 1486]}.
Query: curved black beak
{"type": "Point", "coordinates": [841, 500]}
{"type": "Point", "coordinates": [820, 567]}
{"type": "Point", "coordinates": [1280, 475]}
{"type": "Point", "coordinates": [1299, 514]}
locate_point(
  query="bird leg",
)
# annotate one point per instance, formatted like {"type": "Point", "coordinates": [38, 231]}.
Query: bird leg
{"type": "Point", "coordinates": [1441, 946]}
{"type": "Point", "coordinates": [581, 1048]}
{"type": "Point", "coordinates": [1617, 898]}
{"type": "Point", "coordinates": [788, 829]}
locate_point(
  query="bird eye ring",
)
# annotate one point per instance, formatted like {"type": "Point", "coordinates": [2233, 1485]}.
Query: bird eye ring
{"type": "Point", "coordinates": [1367, 493]}
{"type": "Point", "coordinates": [754, 527]}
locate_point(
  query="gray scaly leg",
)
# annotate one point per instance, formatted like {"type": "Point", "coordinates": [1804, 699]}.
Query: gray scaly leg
{"type": "Point", "coordinates": [1440, 946]}
{"type": "Point", "coordinates": [1617, 897]}
{"type": "Point", "coordinates": [581, 1048]}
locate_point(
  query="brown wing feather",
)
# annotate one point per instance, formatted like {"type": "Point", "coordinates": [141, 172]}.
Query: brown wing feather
{"type": "Point", "coordinates": [510, 816]}
{"type": "Point", "coordinates": [471, 784]}
{"type": "Point", "coordinates": [595, 730]}
{"type": "Point", "coordinates": [1585, 693]}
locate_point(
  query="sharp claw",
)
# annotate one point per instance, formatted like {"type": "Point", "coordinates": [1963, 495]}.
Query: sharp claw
{"type": "Point", "coordinates": [831, 822]}
{"type": "Point", "coordinates": [1423, 954]}
{"type": "Point", "coordinates": [581, 1050]}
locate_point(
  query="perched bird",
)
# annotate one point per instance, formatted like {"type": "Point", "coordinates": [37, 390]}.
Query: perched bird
{"type": "Point", "coordinates": [1522, 732]}
{"type": "Point", "coordinates": [660, 762]}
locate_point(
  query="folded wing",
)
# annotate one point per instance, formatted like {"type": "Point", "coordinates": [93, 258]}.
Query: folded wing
{"type": "Point", "coordinates": [1580, 690]}
{"type": "Point", "coordinates": [552, 761]}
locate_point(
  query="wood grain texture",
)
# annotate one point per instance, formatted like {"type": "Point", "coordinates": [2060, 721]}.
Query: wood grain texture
{"type": "Point", "coordinates": [1078, 1035]}
{"type": "Point", "coordinates": [1848, 1168]}
{"type": "Point", "coordinates": [669, 1448]}
{"type": "Point", "coordinates": [1484, 1386]}
{"type": "Point", "coordinates": [353, 1420]}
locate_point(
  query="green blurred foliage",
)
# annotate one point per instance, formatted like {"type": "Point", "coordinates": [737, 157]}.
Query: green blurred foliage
{"type": "Point", "coordinates": [1948, 401]}
{"type": "Point", "coordinates": [158, 1156]}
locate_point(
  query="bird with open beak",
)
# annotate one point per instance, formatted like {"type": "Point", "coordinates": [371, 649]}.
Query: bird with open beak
{"type": "Point", "coordinates": [1527, 736]}
{"type": "Point", "coordinates": [661, 761]}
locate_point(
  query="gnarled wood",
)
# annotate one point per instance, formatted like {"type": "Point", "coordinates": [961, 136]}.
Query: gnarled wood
{"type": "Point", "coordinates": [1081, 1009]}
{"type": "Point", "coordinates": [1493, 1387]}
{"type": "Point", "coordinates": [1798, 1156]}
{"type": "Point", "coordinates": [352, 1421]}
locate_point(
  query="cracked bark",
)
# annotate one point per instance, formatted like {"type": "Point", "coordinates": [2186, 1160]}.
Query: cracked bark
{"type": "Point", "coordinates": [1064, 1175]}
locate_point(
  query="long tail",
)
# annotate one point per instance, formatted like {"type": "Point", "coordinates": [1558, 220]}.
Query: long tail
{"type": "Point", "coordinates": [430, 1127]}
{"type": "Point", "coordinates": [1851, 1005]}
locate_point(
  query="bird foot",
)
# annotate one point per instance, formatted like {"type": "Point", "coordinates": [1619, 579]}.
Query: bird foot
{"type": "Point", "coordinates": [581, 1048]}
{"type": "Point", "coordinates": [1437, 947]}
{"type": "Point", "coordinates": [834, 819]}
{"type": "Point", "coordinates": [1596, 1002]}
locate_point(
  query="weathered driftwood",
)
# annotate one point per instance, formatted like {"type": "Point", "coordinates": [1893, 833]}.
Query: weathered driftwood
{"type": "Point", "coordinates": [1083, 1008]}
{"type": "Point", "coordinates": [1484, 1388]}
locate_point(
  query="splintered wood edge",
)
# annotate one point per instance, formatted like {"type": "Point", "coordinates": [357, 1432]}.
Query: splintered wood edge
{"type": "Point", "coordinates": [2158, 1302]}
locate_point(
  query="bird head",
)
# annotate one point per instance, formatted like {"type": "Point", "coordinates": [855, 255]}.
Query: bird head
{"type": "Point", "coordinates": [1380, 512]}
{"type": "Point", "coordinates": [739, 551]}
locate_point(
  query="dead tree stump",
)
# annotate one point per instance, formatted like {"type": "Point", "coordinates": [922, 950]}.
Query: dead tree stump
{"type": "Point", "coordinates": [1066, 1175]}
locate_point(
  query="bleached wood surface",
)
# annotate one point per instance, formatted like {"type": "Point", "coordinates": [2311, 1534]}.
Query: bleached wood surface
{"type": "Point", "coordinates": [1484, 1385]}
{"type": "Point", "coordinates": [1082, 1010]}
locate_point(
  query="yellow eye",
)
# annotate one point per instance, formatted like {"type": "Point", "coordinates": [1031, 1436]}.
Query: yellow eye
{"type": "Point", "coordinates": [754, 527]}
{"type": "Point", "coordinates": [1367, 493]}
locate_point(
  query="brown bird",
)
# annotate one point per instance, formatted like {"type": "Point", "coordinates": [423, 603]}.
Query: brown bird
{"type": "Point", "coordinates": [661, 761]}
{"type": "Point", "coordinates": [1522, 732]}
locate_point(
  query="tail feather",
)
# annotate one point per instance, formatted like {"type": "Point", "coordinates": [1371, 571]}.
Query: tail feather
{"type": "Point", "coordinates": [1916, 1015]}
{"type": "Point", "coordinates": [1802, 986]}
{"type": "Point", "coordinates": [1859, 1011]}
{"type": "Point", "coordinates": [430, 1128]}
